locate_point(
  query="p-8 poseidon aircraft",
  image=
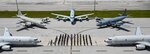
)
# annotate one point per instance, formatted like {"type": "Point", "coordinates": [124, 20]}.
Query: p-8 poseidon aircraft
{"type": "Point", "coordinates": [72, 18]}
{"type": "Point", "coordinates": [114, 22]}
{"type": "Point", "coordinates": [139, 40]}
{"type": "Point", "coordinates": [7, 40]}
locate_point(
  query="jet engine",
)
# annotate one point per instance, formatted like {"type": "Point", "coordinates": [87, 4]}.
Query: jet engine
{"type": "Point", "coordinates": [140, 47]}
{"type": "Point", "coordinates": [28, 24]}
{"type": "Point", "coordinates": [58, 19]}
{"type": "Point", "coordinates": [64, 20]}
{"type": "Point", "coordinates": [6, 47]}
{"type": "Point", "coordinates": [80, 20]}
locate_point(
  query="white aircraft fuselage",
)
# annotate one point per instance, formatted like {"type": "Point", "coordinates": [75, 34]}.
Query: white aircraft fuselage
{"type": "Point", "coordinates": [7, 40]}
{"type": "Point", "coordinates": [127, 40]}
{"type": "Point", "coordinates": [141, 41]}
{"type": "Point", "coordinates": [16, 40]}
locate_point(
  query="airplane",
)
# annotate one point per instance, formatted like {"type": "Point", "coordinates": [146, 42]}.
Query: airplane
{"type": "Point", "coordinates": [72, 18]}
{"type": "Point", "coordinates": [28, 22]}
{"type": "Point", "coordinates": [7, 41]}
{"type": "Point", "coordinates": [141, 41]}
{"type": "Point", "coordinates": [114, 22]}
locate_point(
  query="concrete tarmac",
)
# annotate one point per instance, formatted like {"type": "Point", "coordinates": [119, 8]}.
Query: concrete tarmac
{"type": "Point", "coordinates": [57, 5]}
{"type": "Point", "coordinates": [55, 28]}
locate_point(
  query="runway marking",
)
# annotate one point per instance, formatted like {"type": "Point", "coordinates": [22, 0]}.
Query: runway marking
{"type": "Point", "coordinates": [128, 50]}
{"type": "Point", "coordinates": [75, 50]}
{"type": "Point", "coordinates": [21, 50]}
{"type": "Point", "coordinates": [48, 50]}
{"type": "Point", "coordinates": [86, 30]}
{"type": "Point", "coordinates": [58, 30]}
{"type": "Point", "coordinates": [101, 50]}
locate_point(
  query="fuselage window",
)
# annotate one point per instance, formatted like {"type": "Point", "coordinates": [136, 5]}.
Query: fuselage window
{"type": "Point", "coordinates": [19, 40]}
{"type": "Point", "coordinates": [125, 39]}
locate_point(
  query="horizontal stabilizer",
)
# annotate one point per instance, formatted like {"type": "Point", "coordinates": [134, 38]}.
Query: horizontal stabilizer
{"type": "Point", "coordinates": [6, 32]}
{"type": "Point", "coordinates": [138, 31]}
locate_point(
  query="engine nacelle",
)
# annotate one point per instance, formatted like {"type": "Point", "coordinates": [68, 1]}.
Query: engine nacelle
{"type": "Point", "coordinates": [58, 19]}
{"type": "Point", "coordinates": [6, 47]}
{"type": "Point", "coordinates": [80, 20]}
{"type": "Point", "coordinates": [28, 24]}
{"type": "Point", "coordinates": [64, 20]}
{"type": "Point", "coordinates": [87, 19]}
{"type": "Point", "coordinates": [140, 47]}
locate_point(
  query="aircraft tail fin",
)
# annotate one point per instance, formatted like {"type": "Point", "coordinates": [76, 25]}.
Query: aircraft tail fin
{"type": "Point", "coordinates": [124, 13]}
{"type": "Point", "coordinates": [19, 12]}
{"type": "Point", "coordinates": [72, 12]}
{"type": "Point", "coordinates": [6, 32]}
{"type": "Point", "coordinates": [138, 31]}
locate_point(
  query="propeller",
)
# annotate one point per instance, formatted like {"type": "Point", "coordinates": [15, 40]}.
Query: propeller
{"type": "Point", "coordinates": [129, 22]}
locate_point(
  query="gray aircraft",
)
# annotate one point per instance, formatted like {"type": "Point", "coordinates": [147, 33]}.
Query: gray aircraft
{"type": "Point", "coordinates": [114, 22]}
{"type": "Point", "coordinates": [72, 18]}
{"type": "Point", "coordinates": [141, 41]}
{"type": "Point", "coordinates": [28, 22]}
{"type": "Point", "coordinates": [7, 40]}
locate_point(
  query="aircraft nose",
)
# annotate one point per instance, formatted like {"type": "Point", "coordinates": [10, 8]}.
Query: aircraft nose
{"type": "Point", "coordinates": [106, 40]}
{"type": "Point", "coordinates": [38, 41]}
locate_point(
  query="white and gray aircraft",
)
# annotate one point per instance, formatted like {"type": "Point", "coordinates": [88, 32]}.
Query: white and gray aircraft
{"type": "Point", "coordinates": [114, 22]}
{"type": "Point", "coordinates": [28, 22]}
{"type": "Point", "coordinates": [72, 18]}
{"type": "Point", "coordinates": [141, 41]}
{"type": "Point", "coordinates": [7, 40]}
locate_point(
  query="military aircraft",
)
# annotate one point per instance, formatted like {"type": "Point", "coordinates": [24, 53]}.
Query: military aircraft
{"type": "Point", "coordinates": [28, 22]}
{"type": "Point", "coordinates": [114, 22]}
{"type": "Point", "coordinates": [141, 41]}
{"type": "Point", "coordinates": [72, 18]}
{"type": "Point", "coordinates": [7, 41]}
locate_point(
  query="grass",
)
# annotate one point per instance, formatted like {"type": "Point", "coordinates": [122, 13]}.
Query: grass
{"type": "Point", "coordinates": [103, 14]}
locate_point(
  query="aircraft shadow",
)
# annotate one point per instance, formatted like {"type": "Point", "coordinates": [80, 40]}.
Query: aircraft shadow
{"type": "Point", "coordinates": [27, 28]}
{"type": "Point", "coordinates": [20, 46]}
{"type": "Point", "coordinates": [121, 45]}
{"type": "Point", "coordinates": [26, 46]}
{"type": "Point", "coordinates": [147, 48]}
{"type": "Point", "coordinates": [120, 28]}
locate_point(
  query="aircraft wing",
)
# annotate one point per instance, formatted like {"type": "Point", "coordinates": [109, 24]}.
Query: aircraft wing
{"type": "Point", "coordinates": [59, 15]}
{"type": "Point", "coordinates": [144, 43]}
{"type": "Point", "coordinates": [3, 43]}
{"type": "Point", "coordinates": [121, 28]}
{"type": "Point", "coordinates": [85, 15]}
